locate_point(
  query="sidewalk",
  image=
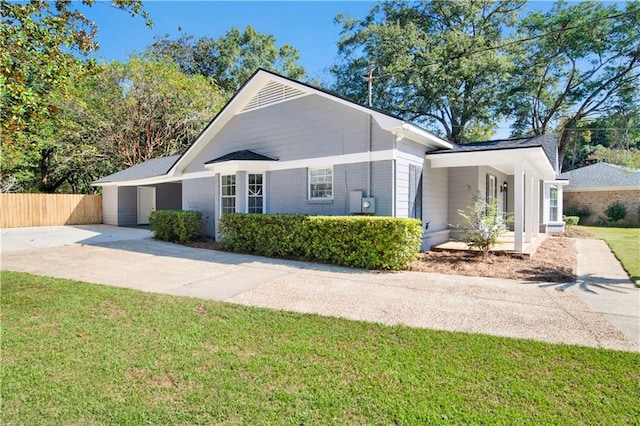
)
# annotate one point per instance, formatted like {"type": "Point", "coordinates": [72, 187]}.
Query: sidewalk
{"type": "Point", "coordinates": [606, 288]}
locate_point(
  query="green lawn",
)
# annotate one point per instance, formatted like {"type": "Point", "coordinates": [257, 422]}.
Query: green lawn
{"type": "Point", "coordinates": [77, 353]}
{"type": "Point", "coordinates": [624, 243]}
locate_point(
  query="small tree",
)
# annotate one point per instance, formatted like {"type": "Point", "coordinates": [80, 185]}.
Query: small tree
{"type": "Point", "coordinates": [483, 225]}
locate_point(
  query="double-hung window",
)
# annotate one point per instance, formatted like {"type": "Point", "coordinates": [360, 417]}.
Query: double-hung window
{"type": "Point", "coordinates": [321, 184]}
{"type": "Point", "coordinates": [228, 194]}
{"type": "Point", "coordinates": [553, 204]}
{"type": "Point", "coordinates": [255, 193]}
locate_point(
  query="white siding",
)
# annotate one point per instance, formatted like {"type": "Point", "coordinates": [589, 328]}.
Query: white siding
{"type": "Point", "coordinates": [409, 153]}
{"type": "Point", "coordinates": [435, 198]}
{"type": "Point", "coordinates": [110, 205]}
{"type": "Point", "coordinates": [461, 179]}
{"type": "Point", "coordinates": [307, 127]}
{"type": "Point", "coordinates": [200, 195]}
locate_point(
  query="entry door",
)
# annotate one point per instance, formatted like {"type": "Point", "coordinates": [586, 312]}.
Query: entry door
{"type": "Point", "coordinates": [146, 203]}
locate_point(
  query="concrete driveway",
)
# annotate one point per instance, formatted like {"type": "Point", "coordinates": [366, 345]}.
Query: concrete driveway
{"type": "Point", "coordinates": [125, 257]}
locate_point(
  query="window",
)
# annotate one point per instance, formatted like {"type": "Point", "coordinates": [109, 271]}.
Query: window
{"type": "Point", "coordinates": [492, 189]}
{"type": "Point", "coordinates": [553, 204]}
{"type": "Point", "coordinates": [415, 192]}
{"type": "Point", "coordinates": [320, 184]}
{"type": "Point", "coordinates": [228, 194]}
{"type": "Point", "coordinates": [255, 193]}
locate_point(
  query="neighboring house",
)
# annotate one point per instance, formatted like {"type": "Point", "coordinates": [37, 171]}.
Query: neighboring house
{"type": "Point", "coordinates": [280, 146]}
{"type": "Point", "coordinates": [596, 186]}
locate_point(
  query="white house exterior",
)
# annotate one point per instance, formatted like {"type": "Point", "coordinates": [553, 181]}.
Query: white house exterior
{"type": "Point", "coordinates": [280, 146]}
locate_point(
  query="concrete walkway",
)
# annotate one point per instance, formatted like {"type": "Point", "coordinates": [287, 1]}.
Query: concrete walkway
{"type": "Point", "coordinates": [605, 287]}
{"type": "Point", "coordinates": [480, 305]}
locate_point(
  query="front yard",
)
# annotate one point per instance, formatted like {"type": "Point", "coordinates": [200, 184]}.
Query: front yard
{"type": "Point", "coordinates": [624, 243]}
{"type": "Point", "coordinates": [76, 353]}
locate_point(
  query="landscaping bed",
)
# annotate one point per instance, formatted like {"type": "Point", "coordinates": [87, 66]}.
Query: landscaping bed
{"type": "Point", "coordinates": [554, 261]}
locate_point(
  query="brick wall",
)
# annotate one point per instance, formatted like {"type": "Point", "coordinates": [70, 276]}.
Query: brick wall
{"type": "Point", "coordinates": [598, 201]}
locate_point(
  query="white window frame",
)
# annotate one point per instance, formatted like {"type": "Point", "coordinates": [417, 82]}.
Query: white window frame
{"type": "Point", "coordinates": [310, 170]}
{"type": "Point", "coordinates": [223, 197]}
{"type": "Point", "coordinates": [262, 195]}
{"type": "Point", "coordinates": [553, 203]}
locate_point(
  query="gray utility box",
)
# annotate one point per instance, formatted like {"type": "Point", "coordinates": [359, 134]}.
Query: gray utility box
{"type": "Point", "coordinates": [361, 205]}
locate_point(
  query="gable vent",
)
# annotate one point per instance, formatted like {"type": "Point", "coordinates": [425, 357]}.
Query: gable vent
{"type": "Point", "coordinates": [273, 92]}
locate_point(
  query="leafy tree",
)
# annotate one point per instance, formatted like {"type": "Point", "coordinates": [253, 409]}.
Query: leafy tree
{"type": "Point", "coordinates": [128, 113]}
{"type": "Point", "coordinates": [614, 139]}
{"type": "Point", "coordinates": [142, 109]}
{"type": "Point", "coordinates": [230, 59]}
{"type": "Point", "coordinates": [437, 62]}
{"type": "Point", "coordinates": [579, 61]}
{"type": "Point", "coordinates": [44, 47]}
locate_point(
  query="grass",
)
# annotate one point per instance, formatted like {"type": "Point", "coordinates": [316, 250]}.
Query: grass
{"type": "Point", "coordinates": [77, 353]}
{"type": "Point", "coordinates": [624, 243]}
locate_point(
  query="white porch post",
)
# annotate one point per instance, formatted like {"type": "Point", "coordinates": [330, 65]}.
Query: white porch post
{"type": "Point", "coordinates": [518, 206]}
{"type": "Point", "coordinates": [535, 222]}
{"type": "Point", "coordinates": [528, 207]}
{"type": "Point", "coordinates": [560, 206]}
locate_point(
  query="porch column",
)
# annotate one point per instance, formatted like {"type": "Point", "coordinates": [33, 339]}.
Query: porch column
{"type": "Point", "coordinates": [560, 206]}
{"type": "Point", "coordinates": [528, 208]}
{"type": "Point", "coordinates": [518, 206]}
{"type": "Point", "coordinates": [535, 222]}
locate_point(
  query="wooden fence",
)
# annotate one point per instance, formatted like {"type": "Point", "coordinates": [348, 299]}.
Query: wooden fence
{"type": "Point", "coordinates": [20, 210]}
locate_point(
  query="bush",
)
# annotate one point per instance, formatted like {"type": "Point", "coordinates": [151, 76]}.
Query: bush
{"type": "Point", "coordinates": [356, 241]}
{"type": "Point", "coordinates": [616, 211]}
{"type": "Point", "coordinates": [483, 225]}
{"type": "Point", "coordinates": [581, 211]}
{"type": "Point", "coordinates": [571, 220]}
{"type": "Point", "coordinates": [180, 226]}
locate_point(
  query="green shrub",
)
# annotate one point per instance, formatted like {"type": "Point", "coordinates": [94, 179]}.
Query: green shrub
{"type": "Point", "coordinates": [616, 211]}
{"type": "Point", "coordinates": [581, 211]}
{"type": "Point", "coordinates": [357, 241]}
{"type": "Point", "coordinates": [176, 225]}
{"type": "Point", "coordinates": [571, 220]}
{"type": "Point", "coordinates": [483, 225]}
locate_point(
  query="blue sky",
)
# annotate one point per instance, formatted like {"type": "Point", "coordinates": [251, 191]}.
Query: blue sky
{"type": "Point", "coordinates": [307, 26]}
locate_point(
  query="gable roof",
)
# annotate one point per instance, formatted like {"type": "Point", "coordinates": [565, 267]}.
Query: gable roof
{"type": "Point", "coordinates": [602, 176]}
{"type": "Point", "coordinates": [150, 168]}
{"type": "Point", "coordinates": [246, 98]}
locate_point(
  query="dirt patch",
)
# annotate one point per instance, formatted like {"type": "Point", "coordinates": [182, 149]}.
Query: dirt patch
{"type": "Point", "coordinates": [554, 261]}
{"type": "Point", "coordinates": [573, 233]}
{"type": "Point", "coordinates": [206, 243]}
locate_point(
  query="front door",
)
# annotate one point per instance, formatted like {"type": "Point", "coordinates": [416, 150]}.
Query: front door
{"type": "Point", "coordinates": [146, 203]}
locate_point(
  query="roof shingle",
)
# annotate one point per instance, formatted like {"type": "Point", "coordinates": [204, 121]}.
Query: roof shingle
{"type": "Point", "coordinates": [602, 175]}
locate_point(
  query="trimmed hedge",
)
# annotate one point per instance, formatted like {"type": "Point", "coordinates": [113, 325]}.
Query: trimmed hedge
{"type": "Point", "coordinates": [181, 226]}
{"type": "Point", "coordinates": [571, 220]}
{"type": "Point", "coordinates": [356, 241]}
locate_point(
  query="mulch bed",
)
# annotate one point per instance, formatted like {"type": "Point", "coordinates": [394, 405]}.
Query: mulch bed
{"type": "Point", "coordinates": [554, 261]}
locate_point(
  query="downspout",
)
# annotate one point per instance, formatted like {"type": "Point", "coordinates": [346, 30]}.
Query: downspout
{"type": "Point", "coordinates": [394, 177]}
{"type": "Point", "coordinates": [370, 140]}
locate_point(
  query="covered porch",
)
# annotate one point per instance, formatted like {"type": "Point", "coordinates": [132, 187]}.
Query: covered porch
{"type": "Point", "coordinates": [520, 174]}
{"type": "Point", "coordinates": [505, 245]}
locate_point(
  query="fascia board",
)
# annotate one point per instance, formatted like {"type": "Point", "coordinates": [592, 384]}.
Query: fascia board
{"type": "Point", "coordinates": [533, 156]}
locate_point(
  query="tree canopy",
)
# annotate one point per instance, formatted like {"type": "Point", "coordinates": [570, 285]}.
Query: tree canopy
{"type": "Point", "coordinates": [437, 62]}
{"type": "Point", "coordinates": [575, 62]}
{"type": "Point", "coordinates": [231, 59]}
